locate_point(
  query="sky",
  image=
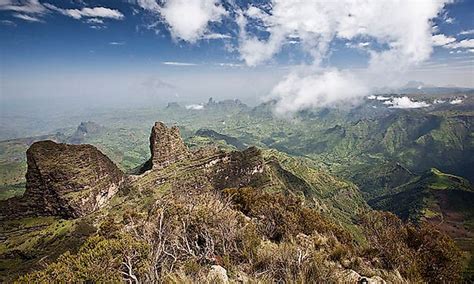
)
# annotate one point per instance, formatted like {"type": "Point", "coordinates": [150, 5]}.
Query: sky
{"type": "Point", "coordinates": [303, 53]}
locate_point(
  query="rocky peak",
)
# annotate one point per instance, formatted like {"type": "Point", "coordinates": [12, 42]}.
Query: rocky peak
{"type": "Point", "coordinates": [88, 127]}
{"type": "Point", "coordinates": [68, 180]}
{"type": "Point", "coordinates": [166, 145]}
{"type": "Point", "coordinates": [84, 129]}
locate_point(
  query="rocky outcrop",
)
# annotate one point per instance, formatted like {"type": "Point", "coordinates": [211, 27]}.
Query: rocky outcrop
{"type": "Point", "coordinates": [236, 169]}
{"type": "Point", "coordinates": [66, 180]}
{"type": "Point", "coordinates": [83, 130]}
{"type": "Point", "coordinates": [166, 146]}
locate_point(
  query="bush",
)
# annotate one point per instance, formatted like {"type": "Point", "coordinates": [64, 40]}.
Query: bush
{"type": "Point", "coordinates": [282, 217]}
{"type": "Point", "coordinates": [420, 253]}
{"type": "Point", "coordinates": [259, 236]}
{"type": "Point", "coordinates": [98, 260]}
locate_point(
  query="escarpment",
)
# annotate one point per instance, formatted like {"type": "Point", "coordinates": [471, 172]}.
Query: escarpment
{"type": "Point", "coordinates": [65, 180]}
{"type": "Point", "coordinates": [72, 181]}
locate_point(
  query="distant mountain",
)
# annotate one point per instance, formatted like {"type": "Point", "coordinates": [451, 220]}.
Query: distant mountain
{"type": "Point", "coordinates": [84, 129]}
{"type": "Point", "coordinates": [417, 87]}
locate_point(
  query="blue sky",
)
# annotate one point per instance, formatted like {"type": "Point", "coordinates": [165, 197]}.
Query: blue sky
{"type": "Point", "coordinates": [112, 48]}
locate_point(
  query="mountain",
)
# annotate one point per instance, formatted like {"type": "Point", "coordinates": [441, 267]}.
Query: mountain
{"type": "Point", "coordinates": [417, 87]}
{"type": "Point", "coordinates": [204, 215]}
{"type": "Point", "coordinates": [84, 129]}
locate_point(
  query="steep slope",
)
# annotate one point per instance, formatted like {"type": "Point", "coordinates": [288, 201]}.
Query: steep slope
{"type": "Point", "coordinates": [441, 199]}
{"type": "Point", "coordinates": [253, 215]}
{"type": "Point", "coordinates": [64, 180]}
{"type": "Point", "coordinates": [423, 197]}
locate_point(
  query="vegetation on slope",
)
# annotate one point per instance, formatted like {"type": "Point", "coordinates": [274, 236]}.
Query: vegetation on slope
{"type": "Point", "coordinates": [254, 236]}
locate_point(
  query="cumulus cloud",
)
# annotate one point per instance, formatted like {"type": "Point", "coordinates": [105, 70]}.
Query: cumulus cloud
{"type": "Point", "coordinates": [404, 27]}
{"type": "Point", "coordinates": [465, 43]}
{"type": "Point", "coordinates": [405, 102]}
{"type": "Point", "coordinates": [330, 88]}
{"type": "Point", "coordinates": [86, 12]}
{"type": "Point", "coordinates": [187, 20]}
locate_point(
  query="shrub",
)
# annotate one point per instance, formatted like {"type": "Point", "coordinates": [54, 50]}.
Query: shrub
{"type": "Point", "coordinates": [98, 260]}
{"type": "Point", "coordinates": [281, 217]}
{"type": "Point", "coordinates": [420, 253]}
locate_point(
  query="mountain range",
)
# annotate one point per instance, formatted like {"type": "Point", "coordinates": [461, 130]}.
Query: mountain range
{"type": "Point", "coordinates": [337, 165]}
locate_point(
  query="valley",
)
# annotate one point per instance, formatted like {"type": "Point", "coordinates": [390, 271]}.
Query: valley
{"type": "Point", "coordinates": [416, 163]}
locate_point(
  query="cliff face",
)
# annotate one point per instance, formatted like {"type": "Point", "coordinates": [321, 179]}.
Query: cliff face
{"type": "Point", "coordinates": [236, 169]}
{"type": "Point", "coordinates": [166, 146]}
{"type": "Point", "coordinates": [67, 180]}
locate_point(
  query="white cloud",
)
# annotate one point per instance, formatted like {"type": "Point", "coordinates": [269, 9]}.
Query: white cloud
{"type": "Point", "coordinates": [331, 88]}
{"type": "Point", "coordinates": [95, 12]}
{"type": "Point", "coordinates": [378, 98]}
{"type": "Point", "coordinates": [28, 6]}
{"type": "Point", "coordinates": [382, 98]}
{"type": "Point", "coordinates": [216, 36]}
{"type": "Point", "coordinates": [467, 32]}
{"type": "Point", "coordinates": [230, 64]}
{"type": "Point", "coordinates": [358, 45]}
{"type": "Point", "coordinates": [95, 21]}
{"type": "Point", "coordinates": [403, 26]}
{"type": "Point", "coordinates": [405, 102]}
{"type": "Point", "coordinates": [465, 43]}
{"type": "Point", "coordinates": [149, 5]}
{"type": "Point", "coordinates": [441, 39]}
{"type": "Point", "coordinates": [195, 107]}
{"type": "Point", "coordinates": [188, 20]}
{"type": "Point", "coordinates": [97, 27]}
{"type": "Point", "coordinates": [116, 43]}
{"type": "Point", "coordinates": [27, 18]}
{"type": "Point", "coordinates": [173, 63]}
{"type": "Point", "coordinates": [456, 102]}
